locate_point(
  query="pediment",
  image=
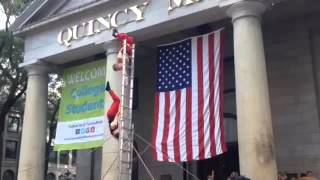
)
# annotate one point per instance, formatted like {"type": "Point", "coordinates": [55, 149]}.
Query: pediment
{"type": "Point", "coordinates": [74, 4]}
{"type": "Point", "coordinates": [40, 10]}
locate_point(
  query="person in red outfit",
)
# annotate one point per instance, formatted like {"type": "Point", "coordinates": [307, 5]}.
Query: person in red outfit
{"type": "Point", "coordinates": [130, 41]}
{"type": "Point", "coordinates": [113, 113]}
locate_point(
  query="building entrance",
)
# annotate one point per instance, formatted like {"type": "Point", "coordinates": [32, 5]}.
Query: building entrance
{"type": "Point", "coordinates": [221, 166]}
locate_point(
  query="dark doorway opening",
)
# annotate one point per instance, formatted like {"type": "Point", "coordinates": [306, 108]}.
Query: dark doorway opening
{"type": "Point", "coordinates": [222, 165]}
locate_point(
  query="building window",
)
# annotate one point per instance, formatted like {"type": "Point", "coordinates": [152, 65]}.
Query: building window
{"type": "Point", "coordinates": [165, 177]}
{"type": "Point", "coordinates": [64, 157]}
{"type": "Point", "coordinates": [13, 124]}
{"type": "Point", "coordinates": [8, 175]}
{"type": "Point", "coordinates": [51, 176]}
{"type": "Point", "coordinates": [53, 155]}
{"type": "Point", "coordinates": [11, 149]}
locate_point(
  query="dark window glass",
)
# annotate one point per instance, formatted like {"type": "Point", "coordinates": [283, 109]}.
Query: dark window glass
{"type": "Point", "coordinates": [13, 124]}
{"type": "Point", "coordinates": [52, 156]}
{"type": "Point", "coordinates": [11, 149]}
{"type": "Point", "coordinates": [64, 157]}
{"type": "Point", "coordinates": [51, 176]}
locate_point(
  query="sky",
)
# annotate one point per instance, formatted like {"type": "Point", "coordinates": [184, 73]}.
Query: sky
{"type": "Point", "coordinates": [3, 19]}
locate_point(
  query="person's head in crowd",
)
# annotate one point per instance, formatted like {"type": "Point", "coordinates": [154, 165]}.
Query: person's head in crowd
{"type": "Point", "coordinates": [309, 173]}
{"type": "Point", "coordinates": [282, 176]}
{"type": "Point", "coordinates": [240, 178]}
{"type": "Point", "coordinates": [303, 175]}
{"type": "Point", "coordinates": [234, 174]}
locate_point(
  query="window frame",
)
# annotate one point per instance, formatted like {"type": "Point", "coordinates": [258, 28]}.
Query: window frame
{"type": "Point", "coordinates": [10, 117]}
{"type": "Point", "coordinates": [16, 150]}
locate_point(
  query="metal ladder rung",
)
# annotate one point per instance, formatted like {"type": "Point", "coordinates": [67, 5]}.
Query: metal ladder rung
{"type": "Point", "coordinates": [127, 97]}
{"type": "Point", "coordinates": [129, 77]}
{"type": "Point", "coordinates": [126, 150]}
{"type": "Point", "coordinates": [126, 107]}
{"type": "Point", "coordinates": [128, 173]}
{"type": "Point", "coordinates": [128, 142]}
{"type": "Point", "coordinates": [126, 118]}
{"type": "Point", "coordinates": [126, 162]}
{"type": "Point", "coordinates": [126, 128]}
{"type": "Point", "coordinates": [126, 139]}
{"type": "Point", "coordinates": [128, 87]}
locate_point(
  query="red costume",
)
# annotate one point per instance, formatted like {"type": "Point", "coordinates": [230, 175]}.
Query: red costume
{"type": "Point", "coordinates": [114, 108]}
{"type": "Point", "coordinates": [112, 113]}
{"type": "Point", "coordinates": [130, 41]}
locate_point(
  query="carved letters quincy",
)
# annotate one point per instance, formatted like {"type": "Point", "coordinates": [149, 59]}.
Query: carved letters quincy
{"type": "Point", "coordinates": [94, 26]}
{"type": "Point", "coordinates": [112, 20]}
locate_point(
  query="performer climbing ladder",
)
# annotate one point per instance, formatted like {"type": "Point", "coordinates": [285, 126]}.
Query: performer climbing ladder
{"type": "Point", "coordinates": [119, 113]}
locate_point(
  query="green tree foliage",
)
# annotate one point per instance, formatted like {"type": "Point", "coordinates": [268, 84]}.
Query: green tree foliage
{"type": "Point", "coordinates": [13, 79]}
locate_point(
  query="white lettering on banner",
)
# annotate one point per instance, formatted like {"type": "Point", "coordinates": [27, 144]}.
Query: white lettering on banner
{"type": "Point", "coordinates": [87, 75]}
{"type": "Point", "coordinates": [67, 35]}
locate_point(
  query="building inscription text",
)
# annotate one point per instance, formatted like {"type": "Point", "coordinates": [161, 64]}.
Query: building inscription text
{"type": "Point", "coordinates": [113, 20]}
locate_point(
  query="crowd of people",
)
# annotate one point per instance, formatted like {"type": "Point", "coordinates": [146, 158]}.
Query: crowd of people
{"type": "Point", "coordinates": [303, 176]}
{"type": "Point", "coordinates": [236, 176]}
{"type": "Point", "coordinates": [281, 176]}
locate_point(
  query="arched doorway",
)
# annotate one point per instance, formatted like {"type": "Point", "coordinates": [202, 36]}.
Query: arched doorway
{"type": "Point", "coordinates": [8, 175]}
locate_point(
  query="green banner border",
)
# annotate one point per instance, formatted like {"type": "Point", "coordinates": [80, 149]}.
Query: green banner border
{"type": "Point", "coordinates": [74, 146]}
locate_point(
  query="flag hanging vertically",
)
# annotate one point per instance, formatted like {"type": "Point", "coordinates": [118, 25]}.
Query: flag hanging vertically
{"type": "Point", "coordinates": [188, 117]}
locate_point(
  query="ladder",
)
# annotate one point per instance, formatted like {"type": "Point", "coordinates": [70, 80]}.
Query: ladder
{"type": "Point", "coordinates": [126, 126]}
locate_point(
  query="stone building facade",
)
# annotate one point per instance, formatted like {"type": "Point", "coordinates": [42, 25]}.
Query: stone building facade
{"type": "Point", "coordinates": [272, 79]}
{"type": "Point", "coordinates": [11, 144]}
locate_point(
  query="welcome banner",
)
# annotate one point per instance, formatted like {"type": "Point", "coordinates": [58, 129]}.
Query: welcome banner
{"type": "Point", "coordinates": [81, 121]}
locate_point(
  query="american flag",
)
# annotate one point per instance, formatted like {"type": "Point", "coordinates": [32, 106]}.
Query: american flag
{"type": "Point", "coordinates": [188, 116]}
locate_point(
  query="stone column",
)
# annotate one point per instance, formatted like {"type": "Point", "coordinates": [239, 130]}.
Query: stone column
{"type": "Point", "coordinates": [110, 152]}
{"type": "Point", "coordinates": [33, 140]}
{"type": "Point", "coordinates": [255, 135]}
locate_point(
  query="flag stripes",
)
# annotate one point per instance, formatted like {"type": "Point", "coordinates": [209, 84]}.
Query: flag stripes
{"type": "Point", "coordinates": [188, 121]}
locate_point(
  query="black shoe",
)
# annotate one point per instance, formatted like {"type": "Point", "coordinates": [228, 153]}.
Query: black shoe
{"type": "Point", "coordinates": [108, 86]}
{"type": "Point", "coordinates": [114, 33]}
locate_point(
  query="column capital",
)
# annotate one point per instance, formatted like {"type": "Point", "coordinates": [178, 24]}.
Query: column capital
{"type": "Point", "coordinates": [243, 8]}
{"type": "Point", "coordinates": [111, 46]}
{"type": "Point", "coordinates": [37, 69]}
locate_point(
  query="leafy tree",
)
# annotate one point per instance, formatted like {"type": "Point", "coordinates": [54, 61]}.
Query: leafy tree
{"type": "Point", "coordinates": [13, 80]}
